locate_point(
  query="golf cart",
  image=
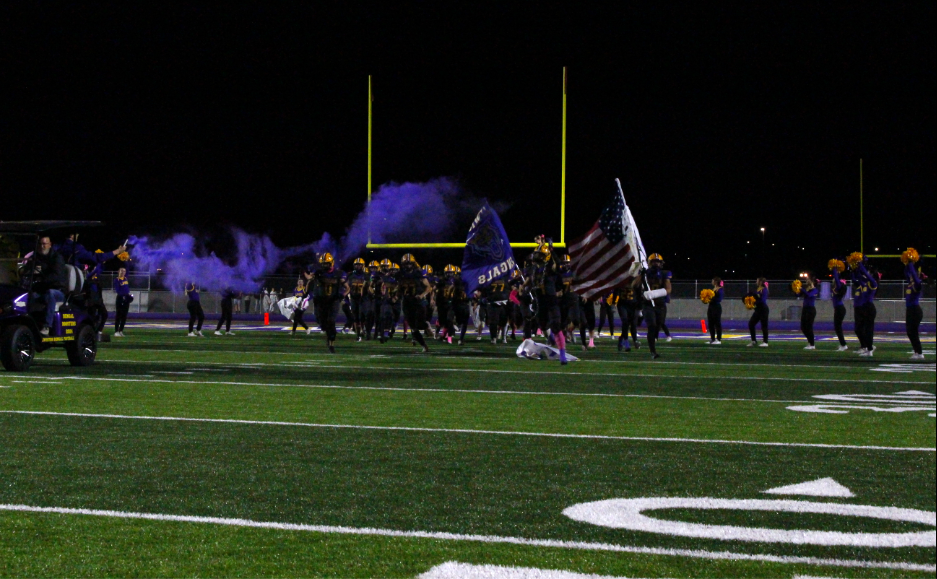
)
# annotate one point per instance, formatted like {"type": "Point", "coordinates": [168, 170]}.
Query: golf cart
{"type": "Point", "coordinates": [23, 311]}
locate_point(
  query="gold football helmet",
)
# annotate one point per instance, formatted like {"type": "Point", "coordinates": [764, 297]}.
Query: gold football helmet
{"type": "Point", "coordinates": [326, 259]}
{"type": "Point", "coordinates": [655, 257]}
{"type": "Point", "coordinates": [394, 268]}
{"type": "Point", "coordinates": [386, 263]}
{"type": "Point", "coordinates": [450, 269]}
{"type": "Point", "coordinates": [428, 269]}
{"type": "Point", "coordinates": [359, 261]}
{"type": "Point", "coordinates": [374, 264]}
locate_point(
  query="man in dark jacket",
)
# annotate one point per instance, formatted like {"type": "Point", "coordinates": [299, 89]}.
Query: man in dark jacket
{"type": "Point", "coordinates": [49, 280]}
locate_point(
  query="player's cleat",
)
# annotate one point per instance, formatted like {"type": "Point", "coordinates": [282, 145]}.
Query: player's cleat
{"type": "Point", "coordinates": [810, 347]}
{"type": "Point", "coordinates": [461, 342]}
{"type": "Point", "coordinates": [866, 354]}
{"type": "Point", "coordinates": [655, 356]}
{"type": "Point", "coordinates": [308, 331]}
{"type": "Point", "coordinates": [449, 339]}
{"type": "Point", "coordinates": [229, 333]}
{"type": "Point", "coordinates": [669, 339]}
{"type": "Point", "coordinates": [219, 333]}
{"type": "Point", "coordinates": [192, 335]}
{"type": "Point", "coordinates": [763, 345]}
{"type": "Point", "coordinates": [842, 348]}
{"type": "Point", "coordinates": [478, 338]}
{"type": "Point", "coordinates": [917, 356]}
{"type": "Point", "coordinates": [752, 343]}
{"type": "Point", "coordinates": [862, 351]}
{"type": "Point", "coordinates": [505, 340]}
{"type": "Point", "coordinates": [584, 348]}
{"type": "Point", "coordinates": [494, 341]}
{"type": "Point", "coordinates": [200, 334]}
{"type": "Point", "coordinates": [331, 349]}
{"type": "Point", "coordinates": [425, 350]}
{"type": "Point", "coordinates": [716, 343]}
{"type": "Point", "coordinates": [636, 345]}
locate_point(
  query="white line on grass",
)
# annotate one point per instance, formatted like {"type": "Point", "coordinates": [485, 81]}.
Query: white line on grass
{"type": "Point", "coordinates": [698, 554]}
{"type": "Point", "coordinates": [510, 356]}
{"type": "Point", "coordinates": [548, 373]}
{"type": "Point", "coordinates": [468, 431]}
{"type": "Point", "coordinates": [137, 377]}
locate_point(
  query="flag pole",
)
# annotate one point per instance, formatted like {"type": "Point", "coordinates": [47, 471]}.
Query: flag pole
{"type": "Point", "coordinates": [370, 100]}
{"type": "Point", "coordinates": [861, 214]}
{"type": "Point", "coordinates": [563, 169]}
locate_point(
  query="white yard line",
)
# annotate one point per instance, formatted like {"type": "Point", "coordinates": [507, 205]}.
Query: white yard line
{"type": "Point", "coordinates": [553, 543]}
{"type": "Point", "coordinates": [540, 373]}
{"type": "Point", "coordinates": [468, 431]}
{"type": "Point", "coordinates": [140, 378]}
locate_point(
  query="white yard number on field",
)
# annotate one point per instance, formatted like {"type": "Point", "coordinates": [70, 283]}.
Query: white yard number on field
{"type": "Point", "coordinates": [629, 514]}
{"type": "Point", "coordinates": [907, 401]}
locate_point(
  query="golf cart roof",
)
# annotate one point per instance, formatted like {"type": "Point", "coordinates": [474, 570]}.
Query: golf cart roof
{"type": "Point", "coordinates": [37, 227]}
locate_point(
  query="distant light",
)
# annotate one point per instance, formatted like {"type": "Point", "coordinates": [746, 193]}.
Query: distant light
{"type": "Point", "coordinates": [762, 229]}
{"type": "Point", "coordinates": [748, 242]}
{"type": "Point", "coordinates": [876, 249]}
{"type": "Point", "coordinates": [772, 245]}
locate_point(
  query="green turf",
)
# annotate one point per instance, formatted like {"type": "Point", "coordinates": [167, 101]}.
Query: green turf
{"type": "Point", "coordinates": [500, 483]}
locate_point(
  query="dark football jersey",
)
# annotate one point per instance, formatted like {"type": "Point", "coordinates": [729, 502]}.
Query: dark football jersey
{"type": "Point", "coordinates": [356, 283]}
{"type": "Point", "coordinates": [329, 284]}
{"type": "Point", "coordinates": [411, 282]}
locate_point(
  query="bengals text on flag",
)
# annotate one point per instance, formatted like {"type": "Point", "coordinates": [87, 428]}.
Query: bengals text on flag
{"type": "Point", "coordinates": [610, 254]}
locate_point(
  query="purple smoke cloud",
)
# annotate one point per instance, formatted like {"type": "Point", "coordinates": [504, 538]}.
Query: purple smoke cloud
{"type": "Point", "coordinates": [407, 212]}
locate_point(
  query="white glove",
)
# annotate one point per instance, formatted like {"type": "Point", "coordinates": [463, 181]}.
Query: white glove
{"type": "Point", "coordinates": [654, 294]}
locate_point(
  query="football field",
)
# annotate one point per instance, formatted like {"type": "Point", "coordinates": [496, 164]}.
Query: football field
{"type": "Point", "coordinates": [261, 454]}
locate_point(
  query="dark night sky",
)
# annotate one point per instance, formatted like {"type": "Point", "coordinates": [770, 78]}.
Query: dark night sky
{"type": "Point", "coordinates": [718, 121]}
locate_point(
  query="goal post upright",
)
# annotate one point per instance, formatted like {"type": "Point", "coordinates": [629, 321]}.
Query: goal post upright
{"type": "Point", "coordinates": [370, 245]}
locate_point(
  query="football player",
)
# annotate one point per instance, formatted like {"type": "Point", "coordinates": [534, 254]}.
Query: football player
{"type": "Point", "coordinates": [415, 289]}
{"type": "Point", "coordinates": [331, 287]}
{"type": "Point", "coordinates": [356, 282]}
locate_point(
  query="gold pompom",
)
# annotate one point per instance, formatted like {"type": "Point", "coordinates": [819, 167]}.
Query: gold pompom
{"type": "Point", "coordinates": [796, 286]}
{"type": "Point", "coordinates": [99, 251]}
{"type": "Point", "coordinates": [910, 255]}
{"type": "Point", "coordinates": [707, 295]}
{"type": "Point", "coordinates": [749, 302]}
{"type": "Point", "coordinates": [854, 259]}
{"type": "Point", "coordinates": [837, 265]}
{"type": "Point", "coordinates": [123, 256]}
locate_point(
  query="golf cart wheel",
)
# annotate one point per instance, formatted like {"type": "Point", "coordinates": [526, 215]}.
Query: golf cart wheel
{"type": "Point", "coordinates": [17, 348]}
{"type": "Point", "coordinates": [84, 349]}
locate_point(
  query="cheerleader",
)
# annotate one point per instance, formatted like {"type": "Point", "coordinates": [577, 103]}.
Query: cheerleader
{"type": "Point", "coordinates": [837, 294]}
{"type": "Point", "coordinates": [864, 286]}
{"type": "Point", "coordinates": [194, 305]}
{"type": "Point", "coordinates": [714, 312]}
{"type": "Point", "coordinates": [760, 315]}
{"type": "Point", "coordinates": [808, 313]}
{"type": "Point", "coordinates": [912, 302]}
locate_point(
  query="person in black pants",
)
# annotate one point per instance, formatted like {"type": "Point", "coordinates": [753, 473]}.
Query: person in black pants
{"type": "Point", "coordinates": [607, 310]}
{"type": "Point", "coordinates": [628, 314]}
{"type": "Point", "coordinates": [914, 313]}
{"type": "Point", "coordinates": [714, 313]}
{"type": "Point", "coordinates": [808, 313]}
{"type": "Point", "coordinates": [864, 286]}
{"type": "Point", "coordinates": [194, 305]}
{"type": "Point", "coordinates": [837, 294]}
{"type": "Point", "coordinates": [760, 315]}
{"type": "Point", "coordinates": [227, 307]}
{"type": "Point", "coordinates": [122, 288]}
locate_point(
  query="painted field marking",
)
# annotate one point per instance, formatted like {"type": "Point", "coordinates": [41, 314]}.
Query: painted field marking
{"type": "Point", "coordinates": [456, 570]}
{"type": "Point", "coordinates": [908, 401]}
{"type": "Point", "coordinates": [628, 514]}
{"type": "Point", "coordinates": [824, 487]}
{"type": "Point", "coordinates": [137, 378]}
{"type": "Point", "coordinates": [905, 368]}
{"type": "Point", "coordinates": [622, 362]}
{"type": "Point", "coordinates": [844, 408]}
{"type": "Point", "coordinates": [470, 431]}
{"type": "Point", "coordinates": [698, 554]}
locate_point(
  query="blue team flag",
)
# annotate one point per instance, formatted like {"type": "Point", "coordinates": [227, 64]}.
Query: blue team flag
{"type": "Point", "coordinates": [488, 254]}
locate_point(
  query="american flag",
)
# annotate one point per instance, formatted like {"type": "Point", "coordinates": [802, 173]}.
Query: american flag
{"type": "Point", "coordinates": [610, 254]}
